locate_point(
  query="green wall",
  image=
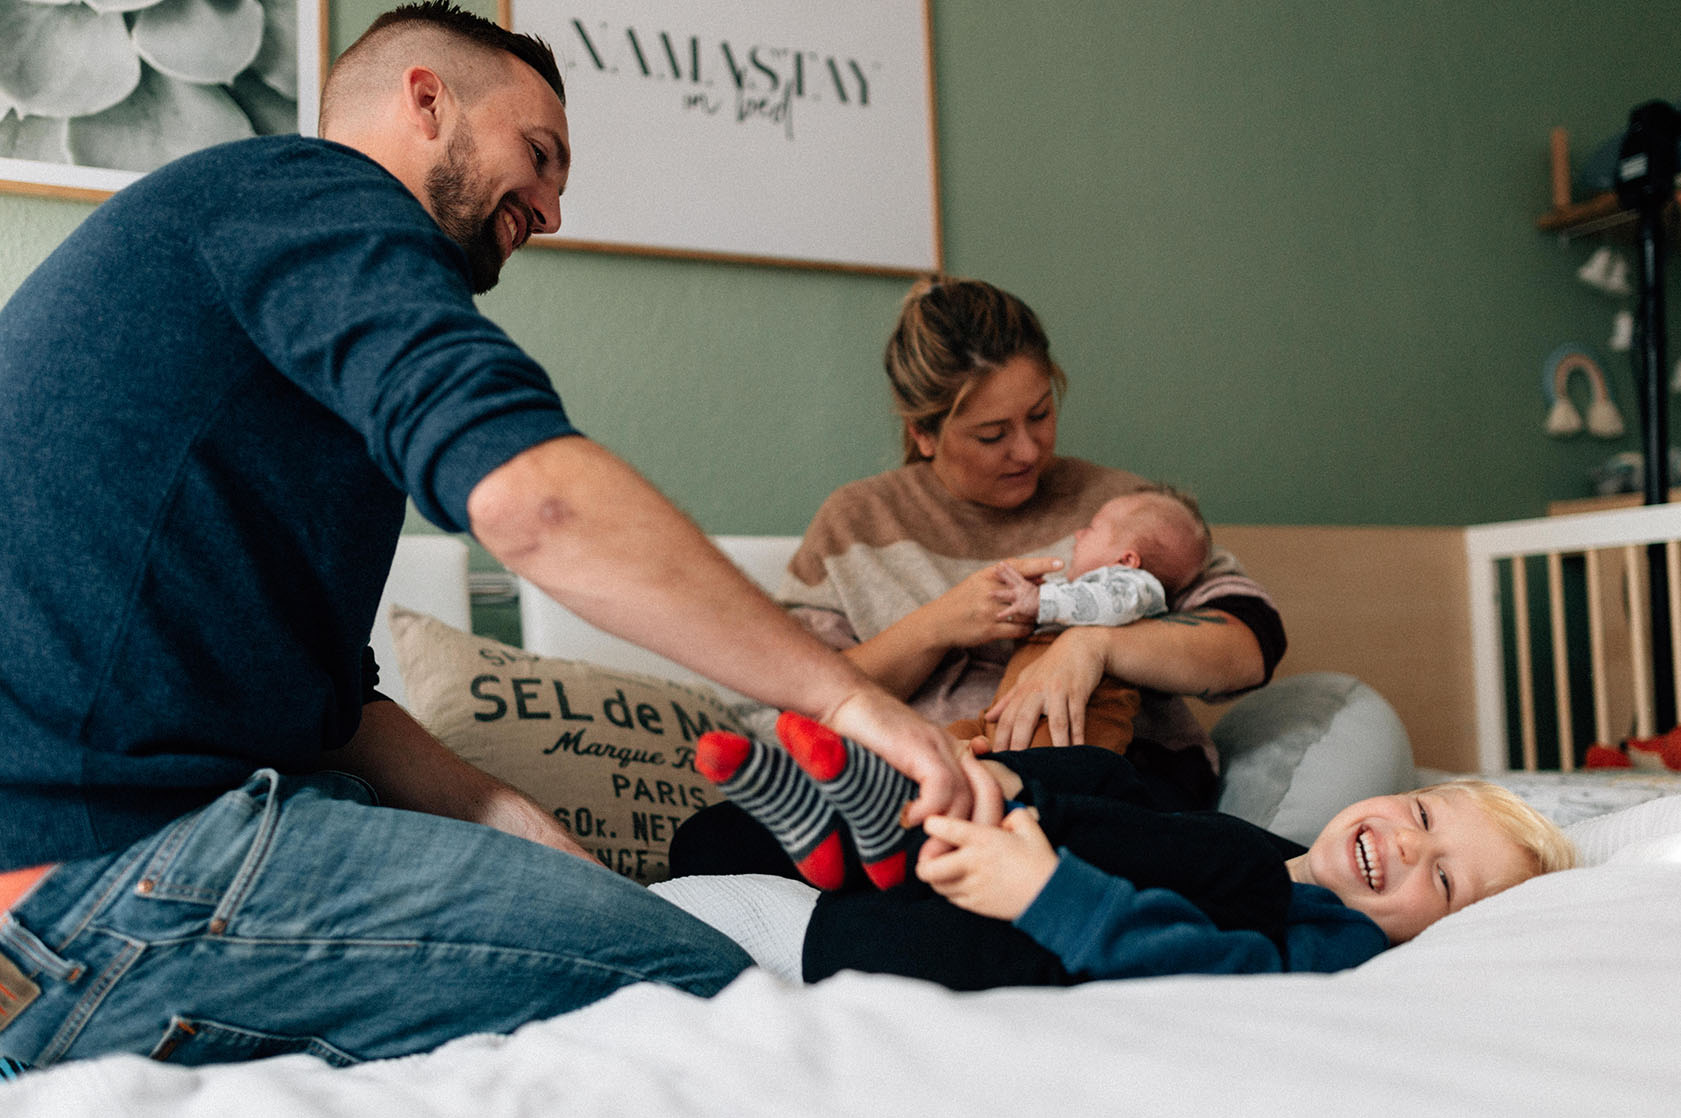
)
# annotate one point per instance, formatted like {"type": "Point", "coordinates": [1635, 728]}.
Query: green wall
{"type": "Point", "coordinates": [1286, 254]}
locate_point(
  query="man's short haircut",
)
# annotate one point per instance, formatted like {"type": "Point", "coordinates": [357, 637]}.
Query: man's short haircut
{"type": "Point", "coordinates": [450, 20]}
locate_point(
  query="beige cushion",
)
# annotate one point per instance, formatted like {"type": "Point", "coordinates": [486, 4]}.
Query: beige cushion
{"type": "Point", "coordinates": [610, 753]}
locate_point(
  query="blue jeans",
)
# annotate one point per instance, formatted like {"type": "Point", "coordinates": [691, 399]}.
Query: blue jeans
{"type": "Point", "coordinates": [292, 915]}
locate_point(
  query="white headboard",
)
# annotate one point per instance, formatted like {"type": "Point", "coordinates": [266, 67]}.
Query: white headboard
{"type": "Point", "coordinates": [429, 574]}
{"type": "Point", "coordinates": [550, 629]}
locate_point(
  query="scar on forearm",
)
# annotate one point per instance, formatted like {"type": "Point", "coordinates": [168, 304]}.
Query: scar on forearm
{"type": "Point", "coordinates": [1195, 617]}
{"type": "Point", "coordinates": [556, 512]}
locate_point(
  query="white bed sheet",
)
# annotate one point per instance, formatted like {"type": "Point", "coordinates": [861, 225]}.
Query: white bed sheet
{"type": "Point", "coordinates": [1559, 997]}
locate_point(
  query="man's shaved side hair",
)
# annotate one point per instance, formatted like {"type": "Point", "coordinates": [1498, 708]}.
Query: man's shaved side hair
{"type": "Point", "coordinates": [434, 33]}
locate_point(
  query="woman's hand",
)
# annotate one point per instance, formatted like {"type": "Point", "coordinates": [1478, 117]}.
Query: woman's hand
{"type": "Point", "coordinates": [1205, 652]}
{"type": "Point", "coordinates": [1020, 596]}
{"type": "Point", "coordinates": [1056, 688]}
{"type": "Point", "coordinates": [968, 614]}
{"type": "Point", "coordinates": [902, 656]}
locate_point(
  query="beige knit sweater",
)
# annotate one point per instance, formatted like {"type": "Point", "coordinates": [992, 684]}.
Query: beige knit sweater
{"type": "Point", "coordinates": [884, 545]}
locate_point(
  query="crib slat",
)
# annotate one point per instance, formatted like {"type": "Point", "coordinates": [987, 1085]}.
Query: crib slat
{"type": "Point", "coordinates": [1672, 559]}
{"type": "Point", "coordinates": [1487, 666]}
{"type": "Point", "coordinates": [1526, 666]}
{"type": "Point", "coordinates": [1561, 662]}
{"type": "Point", "coordinates": [1596, 651]}
{"type": "Point", "coordinates": [1639, 642]}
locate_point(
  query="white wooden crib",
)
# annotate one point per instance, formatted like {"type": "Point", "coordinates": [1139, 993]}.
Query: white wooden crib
{"type": "Point", "coordinates": [1616, 660]}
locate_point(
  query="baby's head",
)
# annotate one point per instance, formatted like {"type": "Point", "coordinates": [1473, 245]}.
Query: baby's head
{"type": "Point", "coordinates": [1157, 529]}
{"type": "Point", "coordinates": [1408, 860]}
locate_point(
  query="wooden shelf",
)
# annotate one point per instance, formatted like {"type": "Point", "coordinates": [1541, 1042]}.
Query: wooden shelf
{"type": "Point", "coordinates": [1571, 505]}
{"type": "Point", "coordinates": [1573, 218]}
{"type": "Point", "coordinates": [1599, 212]}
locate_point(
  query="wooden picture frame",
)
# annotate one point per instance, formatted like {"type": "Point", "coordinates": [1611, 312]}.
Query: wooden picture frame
{"type": "Point", "coordinates": [90, 100]}
{"type": "Point", "coordinates": [788, 132]}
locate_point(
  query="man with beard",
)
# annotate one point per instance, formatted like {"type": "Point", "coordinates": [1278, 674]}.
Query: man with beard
{"type": "Point", "coordinates": [215, 395]}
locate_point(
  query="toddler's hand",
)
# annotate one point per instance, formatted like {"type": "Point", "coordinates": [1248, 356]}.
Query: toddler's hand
{"type": "Point", "coordinates": [992, 871]}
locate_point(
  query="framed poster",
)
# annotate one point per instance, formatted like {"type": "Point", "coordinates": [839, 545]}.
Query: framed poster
{"type": "Point", "coordinates": [795, 132]}
{"type": "Point", "coordinates": [94, 94]}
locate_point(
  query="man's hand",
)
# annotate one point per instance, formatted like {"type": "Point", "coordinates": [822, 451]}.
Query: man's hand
{"type": "Point", "coordinates": [985, 794]}
{"type": "Point", "coordinates": [413, 770]}
{"type": "Point", "coordinates": [580, 523]}
{"type": "Point", "coordinates": [910, 743]}
{"type": "Point", "coordinates": [516, 814]}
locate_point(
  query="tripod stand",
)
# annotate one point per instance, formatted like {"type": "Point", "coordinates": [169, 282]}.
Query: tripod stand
{"type": "Point", "coordinates": [1645, 182]}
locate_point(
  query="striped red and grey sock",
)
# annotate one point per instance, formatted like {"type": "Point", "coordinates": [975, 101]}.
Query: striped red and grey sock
{"type": "Point", "coordinates": [765, 782]}
{"type": "Point", "coordinates": [869, 793]}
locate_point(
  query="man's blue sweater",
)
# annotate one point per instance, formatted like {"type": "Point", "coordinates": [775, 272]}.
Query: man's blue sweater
{"type": "Point", "coordinates": [214, 396]}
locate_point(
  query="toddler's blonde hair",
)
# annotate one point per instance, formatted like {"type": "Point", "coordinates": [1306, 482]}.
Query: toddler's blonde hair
{"type": "Point", "coordinates": [1548, 847]}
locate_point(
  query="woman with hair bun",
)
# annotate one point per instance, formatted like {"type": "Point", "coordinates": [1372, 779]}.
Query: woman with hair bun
{"type": "Point", "coordinates": [898, 570]}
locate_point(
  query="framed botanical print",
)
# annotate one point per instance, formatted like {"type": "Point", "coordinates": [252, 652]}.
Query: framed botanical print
{"type": "Point", "coordinates": [95, 93]}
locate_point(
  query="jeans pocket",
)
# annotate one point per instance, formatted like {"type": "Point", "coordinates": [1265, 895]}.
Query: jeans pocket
{"type": "Point", "coordinates": [215, 857]}
{"type": "Point", "coordinates": [193, 1041]}
{"type": "Point", "coordinates": [201, 857]}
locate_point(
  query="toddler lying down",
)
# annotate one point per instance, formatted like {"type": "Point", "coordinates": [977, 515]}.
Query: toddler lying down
{"type": "Point", "coordinates": [1066, 874]}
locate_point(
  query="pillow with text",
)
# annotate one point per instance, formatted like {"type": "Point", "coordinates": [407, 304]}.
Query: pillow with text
{"type": "Point", "coordinates": [609, 753]}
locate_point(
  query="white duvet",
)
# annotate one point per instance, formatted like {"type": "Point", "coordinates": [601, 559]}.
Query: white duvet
{"type": "Point", "coordinates": [1562, 996]}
